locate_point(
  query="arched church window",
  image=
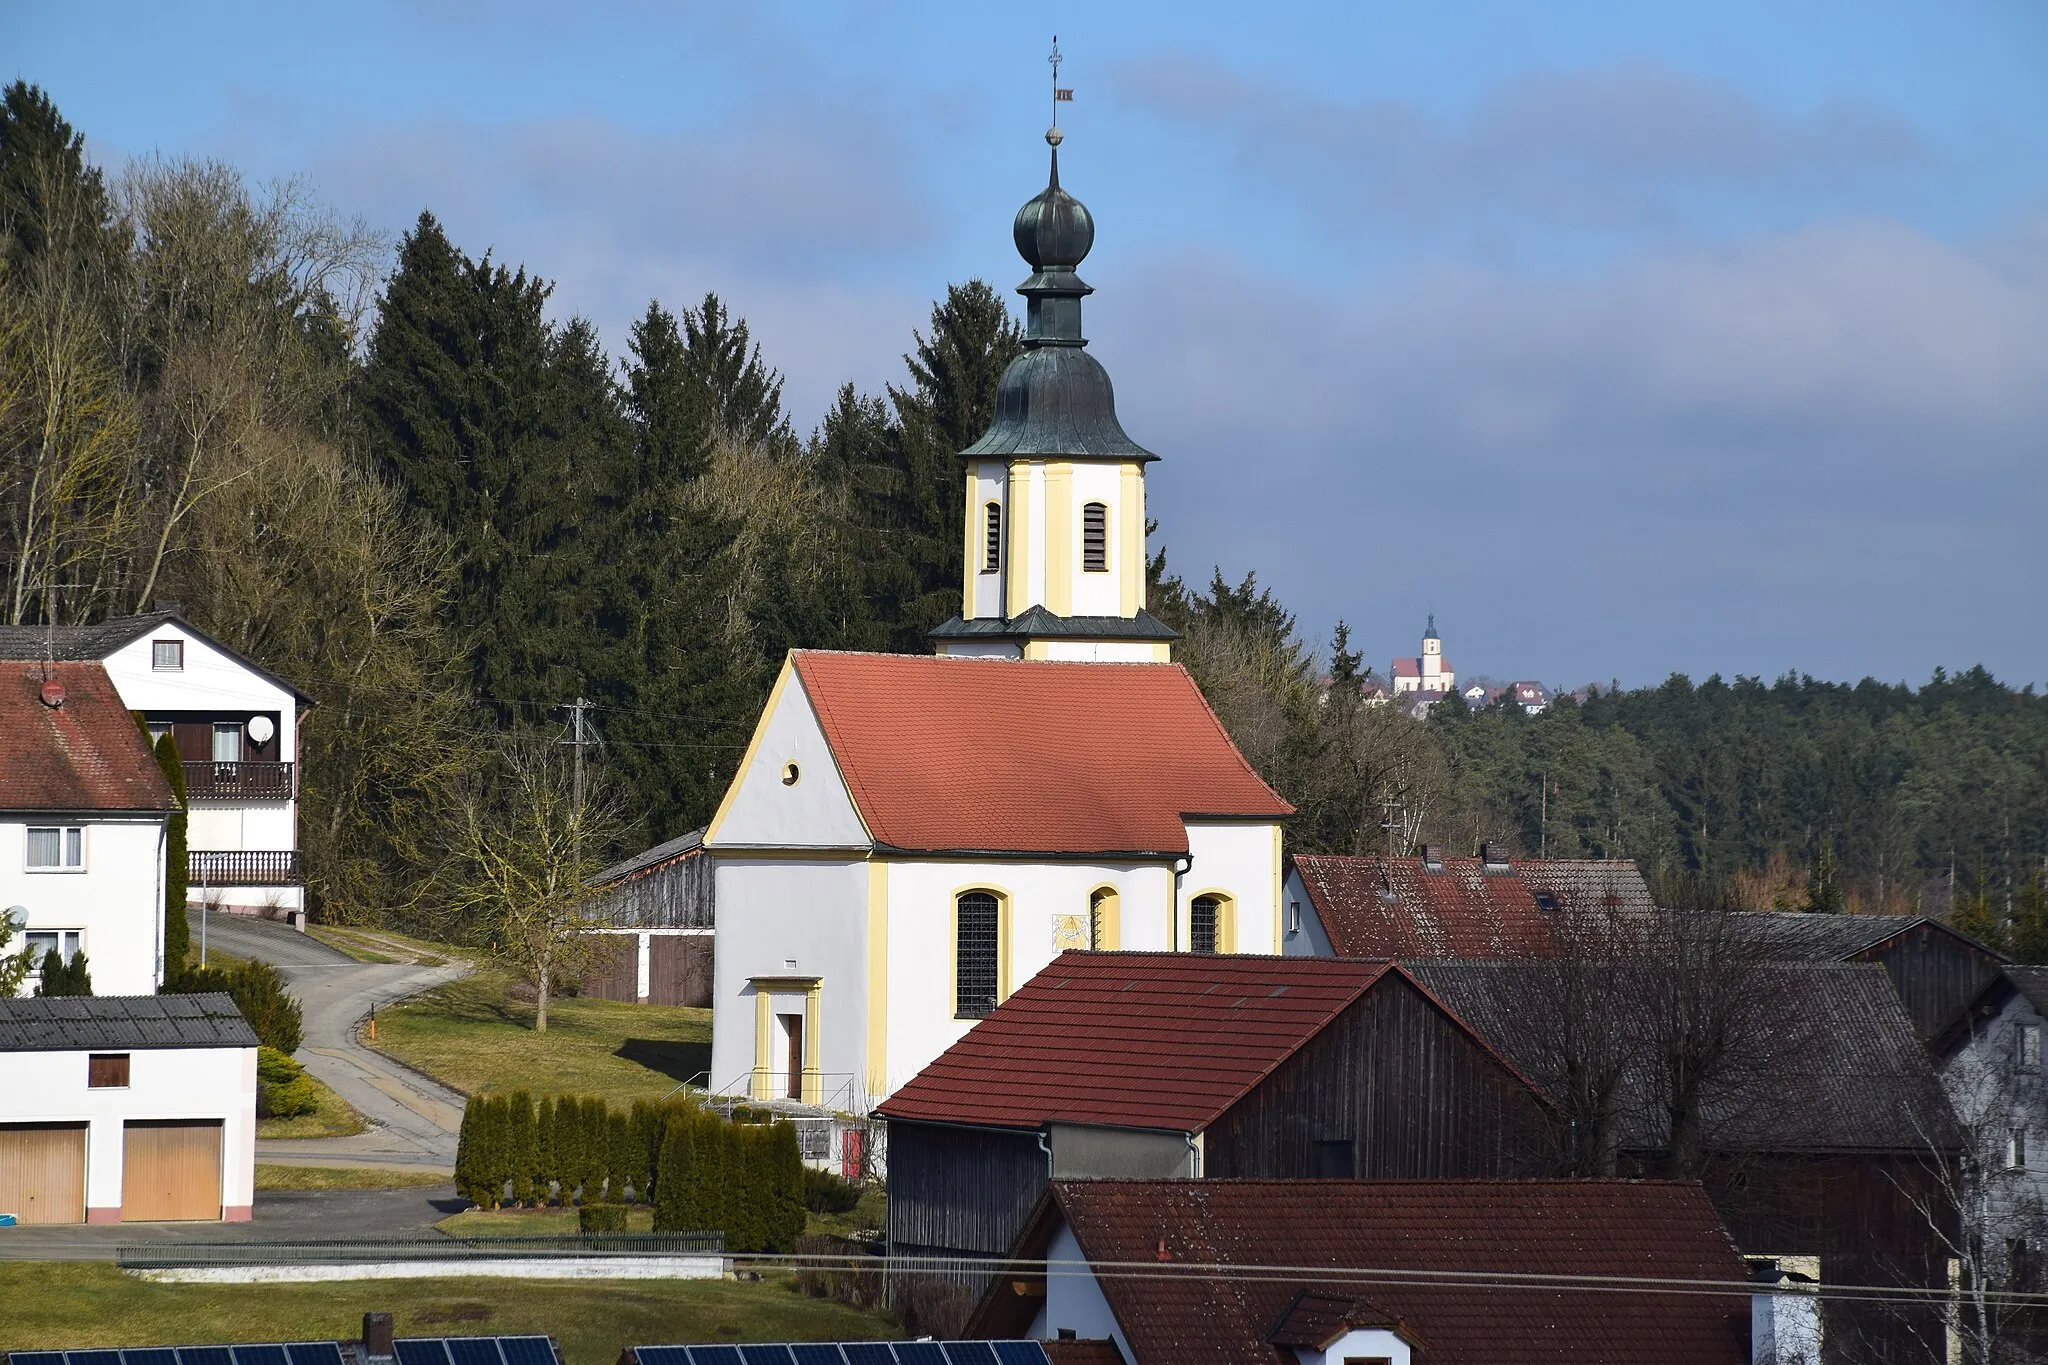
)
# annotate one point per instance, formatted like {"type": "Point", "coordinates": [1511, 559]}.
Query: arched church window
{"type": "Point", "coordinates": [1095, 538]}
{"type": "Point", "coordinates": [1102, 917]}
{"type": "Point", "coordinates": [975, 954]}
{"type": "Point", "coordinates": [1205, 915]}
{"type": "Point", "coordinates": [992, 538]}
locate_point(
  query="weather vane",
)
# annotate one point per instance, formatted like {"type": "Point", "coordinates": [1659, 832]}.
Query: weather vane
{"type": "Point", "coordinates": [1052, 134]}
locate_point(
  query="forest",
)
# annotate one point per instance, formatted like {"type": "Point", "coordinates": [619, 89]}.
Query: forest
{"type": "Point", "coordinates": [412, 481]}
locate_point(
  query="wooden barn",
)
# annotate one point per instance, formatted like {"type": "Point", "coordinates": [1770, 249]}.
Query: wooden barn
{"type": "Point", "coordinates": [654, 924]}
{"type": "Point", "coordinates": [1172, 1065]}
{"type": "Point", "coordinates": [1936, 971]}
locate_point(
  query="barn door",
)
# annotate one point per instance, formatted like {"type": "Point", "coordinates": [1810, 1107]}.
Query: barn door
{"type": "Point", "coordinates": [42, 1172]}
{"type": "Point", "coordinates": [170, 1172]}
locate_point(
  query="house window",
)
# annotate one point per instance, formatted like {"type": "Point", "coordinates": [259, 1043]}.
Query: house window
{"type": "Point", "coordinates": [992, 538]}
{"type": "Point", "coordinates": [1102, 916]}
{"type": "Point", "coordinates": [1203, 916]}
{"type": "Point", "coordinates": [59, 848]}
{"type": "Point", "coordinates": [2016, 1150]}
{"type": "Point", "coordinates": [2028, 1038]}
{"type": "Point", "coordinates": [1095, 538]}
{"type": "Point", "coordinates": [106, 1071]}
{"type": "Point", "coordinates": [1294, 917]}
{"type": "Point", "coordinates": [975, 955]}
{"type": "Point", "coordinates": [167, 656]}
{"type": "Point", "coordinates": [66, 943]}
{"type": "Point", "coordinates": [227, 741]}
{"type": "Point", "coordinates": [1335, 1159]}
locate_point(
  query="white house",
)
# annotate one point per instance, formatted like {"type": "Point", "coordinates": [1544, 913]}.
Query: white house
{"type": "Point", "coordinates": [1429, 673]}
{"type": "Point", "coordinates": [909, 838]}
{"type": "Point", "coordinates": [1994, 1066]}
{"type": "Point", "coordinates": [83, 816]}
{"type": "Point", "coordinates": [237, 730]}
{"type": "Point", "coordinates": [127, 1109]}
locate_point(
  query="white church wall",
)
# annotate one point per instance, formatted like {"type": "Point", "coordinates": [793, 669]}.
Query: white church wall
{"type": "Point", "coordinates": [1102, 651]}
{"type": "Point", "coordinates": [1239, 859]}
{"type": "Point", "coordinates": [764, 809]}
{"type": "Point", "coordinates": [1097, 594]}
{"type": "Point", "coordinates": [992, 485]}
{"type": "Point", "coordinates": [782, 918]}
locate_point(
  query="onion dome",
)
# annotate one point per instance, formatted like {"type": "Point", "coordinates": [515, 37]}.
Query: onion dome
{"type": "Point", "coordinates": [1055, 399]}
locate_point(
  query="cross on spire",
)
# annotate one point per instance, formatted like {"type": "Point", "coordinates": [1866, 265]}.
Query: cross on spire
{"type": "Point", "coordinates": [1059, 94]}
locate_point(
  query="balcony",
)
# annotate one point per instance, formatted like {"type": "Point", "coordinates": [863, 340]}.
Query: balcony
{"type": "Point", "coordinates": [240, 781]}
{"type": "Point", "coordinates": [245, 867]}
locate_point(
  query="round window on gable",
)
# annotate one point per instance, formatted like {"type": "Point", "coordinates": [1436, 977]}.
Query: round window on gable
{"type": "Point", "coordinates": [790, 774]}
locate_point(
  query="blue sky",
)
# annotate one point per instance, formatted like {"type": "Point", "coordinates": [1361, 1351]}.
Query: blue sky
{"type": "Point", "coordinates": [1625, 338]}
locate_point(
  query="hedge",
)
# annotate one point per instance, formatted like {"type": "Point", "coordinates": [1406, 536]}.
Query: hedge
{"type": "Point", "coordinates": [283, 1089]}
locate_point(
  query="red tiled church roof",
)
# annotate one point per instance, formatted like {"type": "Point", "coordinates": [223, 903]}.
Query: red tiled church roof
{"type": "Point", "coordinates": [1398, 907]}
{"type": "Point", "coordinates": [999, 755]}
{"type": "Point", "coordinates": [85, 754]}
{"type": "Point", "coordinates": [1134, 1040]}
{"type": "Point", "coordinates": [1593, 1228]}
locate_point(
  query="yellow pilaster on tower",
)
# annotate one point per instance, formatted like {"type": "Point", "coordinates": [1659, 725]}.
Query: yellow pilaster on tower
{"type": "Point", "coordinates": [1130, 546]}
{"type": "Point", "coordinates": [1059, 537]}
{"type": "Point", "coordinates": [1017, 563]}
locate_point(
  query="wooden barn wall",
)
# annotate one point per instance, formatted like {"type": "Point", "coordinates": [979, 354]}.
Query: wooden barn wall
{"type": "Point", "coordinates": [1415, 1094]}
{"type": "Point", "coordinates": [960, 1190]}
{"type": "Point", "coordinates": [614, 972]}
{"type": "Point", "coordinates": [671, 895]}
{"type": "Point", "coordinates": [679, 969]}
{"type": "Point", "coordinates": [1936, 974]}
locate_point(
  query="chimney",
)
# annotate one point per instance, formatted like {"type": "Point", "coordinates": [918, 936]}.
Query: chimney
{"type": "Point", "coordinates": [1433, 857]}
{"type": "Point", "coordinates": [377, 1335]}
{"type": "Point", "coordinates": [1495, 856]}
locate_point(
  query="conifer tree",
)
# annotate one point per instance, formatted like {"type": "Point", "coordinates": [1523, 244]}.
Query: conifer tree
{"type": "Point", "coordinates": [177, 868]}
{"type": "Point", "coordinates": [546, 1168]}
{"type": "Point", "coordinates": [619, 1148]}
{"type": "Point", "coordinates": [786, 1166]}
{"type": "Point", "coordinates": [674, 1209]}
{"type": "Point", "coordinates": [519, 1147]}
{"type": "Point", "coordinates": [468, 1183]}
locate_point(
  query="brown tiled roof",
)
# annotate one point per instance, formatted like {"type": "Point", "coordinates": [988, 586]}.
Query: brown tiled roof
{"type": "Point", "coordinates": [1083, 1353]}
{"type": "Point", "coordinates": [965, 754]}
{"type": "Point", "coordinates": [83, 755]}
{"type": "Point", "coordinates": [1592, 1228]}
{"type": "Point", "coordinates": [1136, 1040]}
{"type": "Point", "coordinates": [1315, 1320]}
{"type": "Point", "coordinates": [1398, 907]}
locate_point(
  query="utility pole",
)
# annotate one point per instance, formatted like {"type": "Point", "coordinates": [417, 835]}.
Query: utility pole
{"type": "Point", "coordinates": [582, 734]}
{"type": "Point", "coordinates": [1543, 818]}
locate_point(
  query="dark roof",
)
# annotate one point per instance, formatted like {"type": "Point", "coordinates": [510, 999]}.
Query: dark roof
{"type": "Point", "coordinates": [1833, 1064]}
{"type": "Point", "coordinates": [678, 847]}
{"type": "Point", "coordinates": [83, 754]}
{"type": "Point", "coordinates": [1037, 623]}
{"type": "Point", "coordinates": [1797, 934]}
{"type": "Point", "coordinates": [2032, 982]}
{"type": "Point", "coordinates": [1414, 1233]}
{"type": "Point", "coordinates": [1134, 1040]}
{"type": "Point", "coordinates": [98, 640]}
{"type": "Point", "coordinates": [1400, 907]}
{"type": "Point", "coordinates": [127, 1023]}
{"type": "Point", "coordinates": [1082, 1353]}
{"type": "Point", "coordinates": [1316, 1320]}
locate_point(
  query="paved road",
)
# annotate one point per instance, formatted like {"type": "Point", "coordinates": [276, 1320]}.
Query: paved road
{"type": "Point", "coordinates": [413, 1120]}
{"type": "Point", "coordinates": [282, 1216]}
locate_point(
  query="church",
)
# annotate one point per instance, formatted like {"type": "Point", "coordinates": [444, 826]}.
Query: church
{"type": "Point", "coordinates": [910, 838]}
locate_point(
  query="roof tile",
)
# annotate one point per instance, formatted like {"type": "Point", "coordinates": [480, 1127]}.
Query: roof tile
{"type": "Point", "coordinates": [1398, 907]}
{"type": "Point", "coordinates": [85, 754]}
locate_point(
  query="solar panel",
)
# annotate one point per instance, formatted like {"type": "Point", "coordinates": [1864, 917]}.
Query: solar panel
{"type": "Point", "coordinates": [1019, 1352]}
{"type": "Point", "coordinates": [920, 1353]}
{"type": "Point", "coordinates": [313, 1353]}
{"type": "Point", "coordinates": [528, 1351]}
{"type": "Point", "coordinates": [94, 1357]}
{"type": "Point", "coordinates": [209, 1355]}
{"type": "Point", "coordinates": [260, 1355]}
{"type": "Point", "coordinates": [35, 1358]}
{"type": "Point", "coordinates": [662, 1355]}
{"type": "Point", "coordinates": [417, 1351]}
{"type": "Point", "coordinates": [969, 1353]}
{"type": "Point", "coordinates": [714, 1355]}
{"type": "Point", "coordinates": [766, 1355]}
{"type": "Point", "coordinates": [155, 1355]}
{"type": "Point", "coordinates": [474, 1351]}
{"type": "Point", "coordinates": [817, 1353]}
{"type": "Point", "coordinates": [868, 1353]}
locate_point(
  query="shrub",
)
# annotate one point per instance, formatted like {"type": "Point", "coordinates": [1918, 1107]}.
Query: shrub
{"type": "Point", "coordinates": [618, 1146]}
{"type": "Point", "coordinates": [259, 993]}
{"type": "Point", "coordinates": [64, 978]}
{"type": "Point", "coordinates": [283, 1089]}
{"type": "Point", "coordinates": [546, 1167]}
{"type": "Point", "coordinates": [826, 1192]}
{"type": "Point", "coordinates": [675, 1210]}
{"type": "Point", "coordinates": [519, 1159]}
{"type": "Point", "coordinates": [601, 1218]}
{"type": "Point", "coordinates": [856, 1281]}
{"type": "Point", "coordinates": [177, 866]}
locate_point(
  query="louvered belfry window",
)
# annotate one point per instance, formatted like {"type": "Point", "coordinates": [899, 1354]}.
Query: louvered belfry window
{"type": "Point", "coordinates": [975, 956]}
{"type": "Point", "coordinates": [992, 538]}
{"type": "Point", "coordinates": [1095, 538]}
{"type": "Point", "coordinates": [1202, 915]}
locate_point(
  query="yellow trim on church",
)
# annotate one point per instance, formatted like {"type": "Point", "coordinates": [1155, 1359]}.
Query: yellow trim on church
{"type": "Point", "coordinates": [1059, 537]}
{"type": "Point", "coordinates": [1017, 562]}
{"type": "Point", "coordinates": [970, 562]}
{"type": "Point", "coordinates": [1131, 539]}
{"type": "Point", "coordinates": [732, 789]}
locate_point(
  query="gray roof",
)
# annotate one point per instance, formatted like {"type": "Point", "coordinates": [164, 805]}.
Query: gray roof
{"type": "Point", "coordinates": [123, 1023]}
{"type": "Point", "coordinates": [1037, 623]}
{"type": "Point", "coordinates": [89, 644]}
{"type": "Point", "coordinates": [1833, 938]}
{"type": "Point", "coordinates": [653, 857]}
{"type": "Point", "coordinates": [1850, 1074]}
{"type": "Point", "coordinates": [2032, 982]}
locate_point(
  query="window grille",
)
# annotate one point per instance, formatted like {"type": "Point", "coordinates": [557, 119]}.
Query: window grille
{"type": "Point", "coordinates": [1095, 538]}
{"type": "Point", "coordinates": [1202, 917]}
{"type": "Point", "coordinates": [992, 538]}
{"type": "Point", "coordinates": [975, 956]}
{"type": "Point", "coordinates": [167, 655]}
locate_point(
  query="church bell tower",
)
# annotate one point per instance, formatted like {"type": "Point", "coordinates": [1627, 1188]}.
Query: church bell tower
{"type": "Point", "coordinates": [1055, 491]}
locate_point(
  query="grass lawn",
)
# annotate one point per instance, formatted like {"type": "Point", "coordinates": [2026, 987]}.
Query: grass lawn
{"type": "Point", "coordinates": [867, 1216]}
{"type": "Point", "coordinates": [272, 1176]}
{"type": "Point", "coordinates": [53, 1304]}
{"type": "Point", "coordinates": [472, 1035]}
{"type": "Point", "coordinates": [335, 1117]}
{"type": "Point", "coordinates": [532, 1222]}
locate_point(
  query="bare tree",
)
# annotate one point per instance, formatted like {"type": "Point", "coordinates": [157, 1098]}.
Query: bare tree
{"type": "Point", "coordinates": [524, 855]}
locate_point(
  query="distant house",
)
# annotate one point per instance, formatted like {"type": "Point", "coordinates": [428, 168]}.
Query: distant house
{"type": "Point", "coordinates": [1937, 971]}
{"type": "Point", "coordinates": [1994, 1064]}
{"type": "Point", "coordinates": [1169, 1065]}
{"type": "Point", "coordinates": [1530, 696]}
{"type": "Point", "coordinates": [83, 816]}
{"type": "Point", "coordinates": [653, 916]}
{"type": "Point", "coordinates": [127, 1109]}
{"type": "Point", "coordinates": [908, 839]}
{"type": "Point", "coordinates": [1277, 1271]}
{"type": "Point", "coordinates": [1436, 906]}
{"type": "Point", "coordinates": [237, 729]}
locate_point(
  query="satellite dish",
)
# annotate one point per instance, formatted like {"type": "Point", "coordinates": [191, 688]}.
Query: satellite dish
{"type": "Point", "coordinates": [260, 729]}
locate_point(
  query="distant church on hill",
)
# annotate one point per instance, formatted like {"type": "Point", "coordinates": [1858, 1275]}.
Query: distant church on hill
{"type": "Point", "coordinates": [1428, 672]}
{"type": "Point", "coordinates": [908, 839]}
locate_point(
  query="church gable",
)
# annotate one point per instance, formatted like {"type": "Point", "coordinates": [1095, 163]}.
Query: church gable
{"type": "Point", "coordinates": [789, 792]}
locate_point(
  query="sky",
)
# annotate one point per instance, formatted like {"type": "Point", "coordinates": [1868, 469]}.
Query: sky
{"type": "Point", "coordinates": [1625, 339]}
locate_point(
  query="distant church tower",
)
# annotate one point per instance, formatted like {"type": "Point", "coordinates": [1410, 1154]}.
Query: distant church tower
{"type": "Point", "coordinates": [1428, 672]}
{"type": "Point", "coordinates": [1055, 547]}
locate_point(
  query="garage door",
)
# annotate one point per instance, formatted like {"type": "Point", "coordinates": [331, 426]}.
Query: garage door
{"type": "Point", "coordinates": [42, 1172]}
{"type": "Point", "coordinates": [170, 1172]}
